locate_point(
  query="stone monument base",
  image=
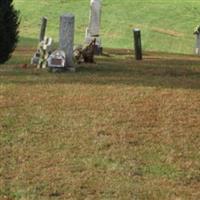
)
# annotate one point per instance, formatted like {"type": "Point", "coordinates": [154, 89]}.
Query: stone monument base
{"type": "Point", "coordinates": [98, 50]}
{"type": "Point", "coordinates": [61, 70]}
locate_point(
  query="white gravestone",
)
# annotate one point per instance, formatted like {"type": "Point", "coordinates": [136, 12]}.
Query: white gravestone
{"type": "Point", "coordinates": [197, 45]}
{"type": "Point", "coordinates": [93, 30]}
{"type": "Point", "coordinates": [197, 49]}
{"type": "Point", "coordinates": [57, 59]}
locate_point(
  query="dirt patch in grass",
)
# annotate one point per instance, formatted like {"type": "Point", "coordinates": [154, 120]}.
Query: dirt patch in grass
{"type": "Point", "coordinates": [168, 32]}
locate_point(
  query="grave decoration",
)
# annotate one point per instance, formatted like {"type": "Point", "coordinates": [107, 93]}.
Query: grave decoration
{"type": "Point", "coordinates": [36, 57]}
{"type": "Point", "coordinates": [85, 53]}
{"type": "Point", "coordinates": [43, 51]}
{"type": "Point", "coordinates": [197, 30]}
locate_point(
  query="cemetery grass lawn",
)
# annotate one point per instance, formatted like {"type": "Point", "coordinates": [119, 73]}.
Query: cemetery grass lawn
{"type": "Point", "coordinates": [118, 129]}
{"type": "Point", "coordinates": [166, 26]}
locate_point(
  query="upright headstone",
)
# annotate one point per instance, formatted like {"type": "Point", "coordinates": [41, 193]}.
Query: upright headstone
{"type": "Point", "coordinates": [197, 49]}
{"type": "Point", "coordinates": [57, 59]}
{"type": "Point", "coordinates": [43, 28]}
{"type": "Point", "coordinates": [197, 43]}
{"type": "Point", "coordinates": [93, 29]}
{"type": "Point", "coordinates": [67, 22]}
{"type": "Point", "coordinates": [137, 44]}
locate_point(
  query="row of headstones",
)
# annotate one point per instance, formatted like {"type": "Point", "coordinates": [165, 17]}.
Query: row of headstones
{"type": "Point", "coordinates": [63, 57]}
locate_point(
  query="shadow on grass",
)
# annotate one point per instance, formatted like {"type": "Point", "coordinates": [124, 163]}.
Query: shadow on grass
{"type": "Point", "coordinates": [162, 72]}
{"type": "Point", "coordinates": [27, 42]}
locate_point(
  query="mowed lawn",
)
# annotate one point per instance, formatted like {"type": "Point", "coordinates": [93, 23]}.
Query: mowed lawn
{"type": "Point", "coordinates": [118, 129]}
{"type": "Point", "coordinates": [166, 25]}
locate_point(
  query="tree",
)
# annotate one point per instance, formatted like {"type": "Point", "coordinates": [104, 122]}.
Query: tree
{"type": "Point", "coordinates": [9, 33]}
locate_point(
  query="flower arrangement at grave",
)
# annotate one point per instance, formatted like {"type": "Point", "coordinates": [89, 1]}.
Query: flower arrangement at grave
{"type": "Point", "coordinates": [42, 53]}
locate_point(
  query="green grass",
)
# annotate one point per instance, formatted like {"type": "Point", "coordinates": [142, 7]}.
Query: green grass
{"type": "Point", "coordinates": [166, 26]}
{"type": "Point", "coordinates": [118, 129]}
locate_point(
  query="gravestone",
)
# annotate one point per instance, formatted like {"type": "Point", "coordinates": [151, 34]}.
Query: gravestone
{"type": "Point", "coordinates": [197, 43]}
{"type": "Point", "coordinates": [93, 29]}
{"type": "Point", "coordinates": [137, 43]}
{"type": "Point", "coordinates": [57, 59]}
{"type": "Point", "coordinates": [66, 40]}
{"type": "Point", "coordinates": [43, 28]}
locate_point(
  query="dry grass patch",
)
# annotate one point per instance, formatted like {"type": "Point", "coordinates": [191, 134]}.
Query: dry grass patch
{"type": "Point", "coordinates": [119, 129]}
{"type": "Point", "coordinates": [168, 32]}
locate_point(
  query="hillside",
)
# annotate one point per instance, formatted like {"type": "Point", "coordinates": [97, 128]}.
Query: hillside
{"type": "Point", "coordinates": [104, 132]}
{"type": "Point", "coordinates": [166, 25]}
{"type": "Point", "coordinates": [118, 129]}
